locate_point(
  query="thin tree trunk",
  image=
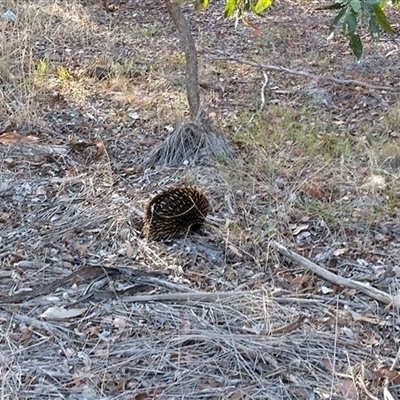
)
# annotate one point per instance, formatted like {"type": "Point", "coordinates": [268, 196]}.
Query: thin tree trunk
{"type": "Point", "coordinates": [192, 83]}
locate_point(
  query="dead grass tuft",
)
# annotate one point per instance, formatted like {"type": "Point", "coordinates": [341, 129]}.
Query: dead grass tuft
{"type": "Point", "coordinates": [190, 144]}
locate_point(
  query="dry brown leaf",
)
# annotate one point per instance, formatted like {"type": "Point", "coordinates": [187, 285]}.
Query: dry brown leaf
{"type": "Point", "coordinates": [94, 330]}
{"type": "Point", "coordinates": [120, 385]}
{"type": "Point", "coordinates": [149, 394]}
{"type": "Point", "coordinates": [315, 190]}
{"type": "Point", "coordinates": [299, 282]}
{"type": "Point", "coordinates": [289, 328]}
{"type": "Point", "coordinates": [77, 142]}
{"type": "Point", "coordinates": [10, 162]}
{"type": "Point", "coordinates": [26, 335]}
{"type": "Point", "coordinates": [349, 390]}
{"type": "Point", "coordinates": [5, 217]}
{"type": "Point", "coordinates": [57, 313]}
{"type": "Point", "coordinates": [339, 252]}
{"type": "Point", "coordinates": [142, 396]}
{"type": "Point", "coordinates": [11, 138]}
{"type": "Point", "coordinates": [348, 293]}
{"type": "Point", "coordinates": [101, 149]}
{"type": "Point", "coordinates": [394, 376]}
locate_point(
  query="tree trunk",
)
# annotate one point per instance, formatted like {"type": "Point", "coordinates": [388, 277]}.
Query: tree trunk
{"type": "Point", "coordinates": [192, 82]}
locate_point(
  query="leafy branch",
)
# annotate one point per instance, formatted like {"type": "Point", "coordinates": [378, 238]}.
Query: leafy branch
{"type": "Point", "coordinates": [352, 12]}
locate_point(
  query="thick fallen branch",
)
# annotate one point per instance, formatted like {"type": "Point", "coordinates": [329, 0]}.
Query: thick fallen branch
{"type": "Point", "coordinates": [345, 82]}
{"type": "Point", "coordinates": [370, 291]}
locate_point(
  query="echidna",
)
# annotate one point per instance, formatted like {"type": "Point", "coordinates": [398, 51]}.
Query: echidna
{"type": "Point", "coordinates": [174, 211]}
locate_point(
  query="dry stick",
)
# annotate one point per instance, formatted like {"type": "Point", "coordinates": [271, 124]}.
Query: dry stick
{"type": "Point", "coordinates": [347, 82]}
{"type": "Point", "coordinates": [212, 297]}
{"type": "Point", "coordinates": [56, 330]}
{"type": "Point", "coordinates": [370, 291]}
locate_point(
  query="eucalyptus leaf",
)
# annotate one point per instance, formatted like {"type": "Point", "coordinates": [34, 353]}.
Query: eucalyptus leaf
{"type": "Point", "coordinates": [229, 8]}
{"type": "Point", "coordinates": [355, 45]}
{"type": "Point", "coordinates": [355, 5]}
{"type": "Point", "coordinates": [350, 22]}
{"type": "Point", "coordinates": [336, 20]}
{"type": "Point", "coordinates": [374, 28]}
{"type": "Point", "coordinates": [262, 5]}
{"type": "Point", "coordinates": [381, 19]}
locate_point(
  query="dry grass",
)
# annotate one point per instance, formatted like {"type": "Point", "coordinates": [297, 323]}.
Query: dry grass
{"type": "Point", "coordinates": [317, 169]}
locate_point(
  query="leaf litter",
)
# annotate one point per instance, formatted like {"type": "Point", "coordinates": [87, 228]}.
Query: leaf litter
{"type": "Point", "coordinates": [217, 315]}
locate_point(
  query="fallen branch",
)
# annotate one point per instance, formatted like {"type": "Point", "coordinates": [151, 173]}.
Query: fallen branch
{"type": "Point", "coordinates": [345, 82]}
{"type": "Point", "coordinates": [212, 297]}
{"type": "Point", "coordinates": [56, 330]}
{"type": "Point", "coordinates": [370, 291]}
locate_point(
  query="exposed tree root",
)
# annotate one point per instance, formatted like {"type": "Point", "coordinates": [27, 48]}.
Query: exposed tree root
{"type": "Point", "coordinates": [189, 144]}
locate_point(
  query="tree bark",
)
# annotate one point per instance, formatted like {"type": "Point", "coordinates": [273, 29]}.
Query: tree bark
{"type": "Point", "coordinates": [192, 82]}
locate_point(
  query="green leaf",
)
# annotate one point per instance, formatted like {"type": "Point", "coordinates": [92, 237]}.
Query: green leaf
{"type": "Point", "coordinates": [381, 19]}
{"type": "Point", "coordinates": [350, 22]}
{"type": "Point", "coordinates": [262, 5]}
{"type": "Point", "coordinates": [355, 45]}
{"type": "Point", "coordinates": [383, 4]}
{"type": "Point", "coordinates": [374, 28]}
{"type": "Point", "coordinates": [336, 6]}
{"type": "Point", "coordinates": [336, 20]}
{"type": "Point", "coordinates": [229, 8]}
{"type": "Point", "coordinates": [355, 5]}
{"type": "Point", "coordinates": [201, 4]}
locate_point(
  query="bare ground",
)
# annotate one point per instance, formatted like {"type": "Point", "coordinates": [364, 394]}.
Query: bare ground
{"type": "Point", "coordinates": [91, 310]}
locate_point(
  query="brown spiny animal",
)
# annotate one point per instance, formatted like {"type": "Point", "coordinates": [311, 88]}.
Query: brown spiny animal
{"type": "Point", "coordinates": [174, 211]}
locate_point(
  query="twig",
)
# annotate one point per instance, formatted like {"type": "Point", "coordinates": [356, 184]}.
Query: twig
{"type": "Point", "coordinates": [266, 81]}
{"type": "Point", "coordinates": [390, 53]}
{"type": "Point", "coordinates": [370, 291]}
{"type": "Point", "coordinates": [213, 297]}
{"type": "Point", "coordinates": [46, 326]}
{"type": "Point", "coordinates": [166, 284]}
{"type": "Point", "coordinates": [345, 82]}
